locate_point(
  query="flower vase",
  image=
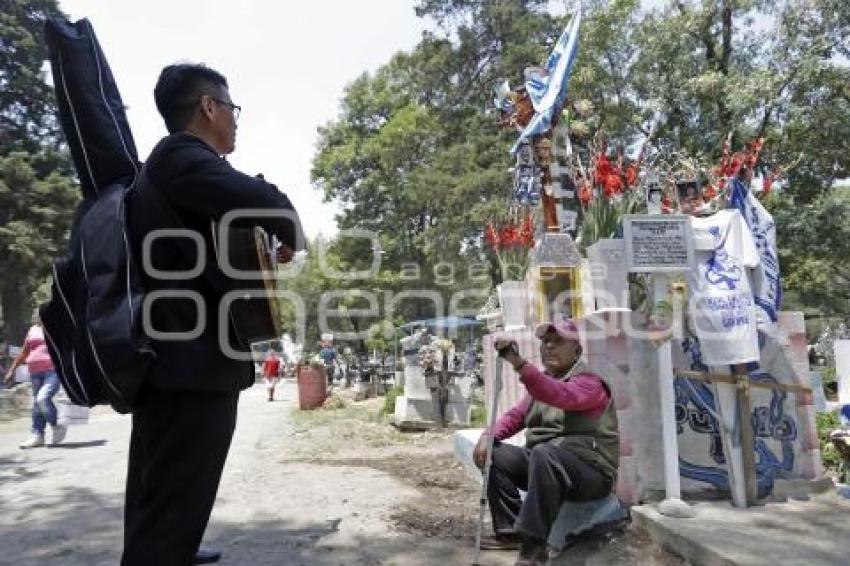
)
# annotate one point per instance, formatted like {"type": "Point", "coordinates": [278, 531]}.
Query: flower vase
{"type": "Point", "coordinates": [513, 297]}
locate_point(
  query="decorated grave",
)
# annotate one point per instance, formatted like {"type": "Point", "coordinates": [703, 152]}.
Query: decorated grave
{"type": "Point", "coordinates": [435, 393]}
{"type": "Point", "coordinates": [671, 267]}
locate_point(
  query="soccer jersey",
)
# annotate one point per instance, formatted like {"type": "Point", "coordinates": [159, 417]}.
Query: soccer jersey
{"type": "Point", "coordinates": [722, 310]}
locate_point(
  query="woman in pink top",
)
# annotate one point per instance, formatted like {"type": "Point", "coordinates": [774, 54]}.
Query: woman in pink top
{"type": "Point", "coordinates": [45, 384]}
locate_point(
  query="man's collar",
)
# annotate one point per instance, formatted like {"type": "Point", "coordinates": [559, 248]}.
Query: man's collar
{"type": "Point", "coordinates": [199, 138]}
{"type": "Point", "coordinates": [577, 367]}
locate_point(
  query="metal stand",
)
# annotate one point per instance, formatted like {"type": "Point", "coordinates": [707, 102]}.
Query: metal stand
{"type": "Point", "coordinates": [491, 418]}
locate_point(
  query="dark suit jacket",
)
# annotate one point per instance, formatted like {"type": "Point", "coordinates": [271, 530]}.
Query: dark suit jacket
{"type": "Point", "coordinates": [185, 184]}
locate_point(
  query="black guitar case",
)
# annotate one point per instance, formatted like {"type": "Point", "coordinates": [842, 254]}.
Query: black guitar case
{"type": "Point", "coordinates": [90, 109]}
{"type": "Point", "coordinates": [92, 322]}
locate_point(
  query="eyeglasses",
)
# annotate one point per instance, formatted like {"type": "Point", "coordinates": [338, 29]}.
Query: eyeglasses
{"type": "Point", "coordinates": [236, 109]}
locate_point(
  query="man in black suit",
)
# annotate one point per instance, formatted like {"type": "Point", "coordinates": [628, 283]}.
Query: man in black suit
{"type": "Point", "coordinates": [186, 412]}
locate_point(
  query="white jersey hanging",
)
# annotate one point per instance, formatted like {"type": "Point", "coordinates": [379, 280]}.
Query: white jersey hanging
{"type": "Point", "coordinates": [722, 310]}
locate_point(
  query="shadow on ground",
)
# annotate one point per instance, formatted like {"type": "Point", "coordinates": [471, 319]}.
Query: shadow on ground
{"type": "Point", "coordinates": [72, 527]}
{"type": "Point", "coordinates": [80, 528]}
{"type": "Point", "coordinates": [74, 445]}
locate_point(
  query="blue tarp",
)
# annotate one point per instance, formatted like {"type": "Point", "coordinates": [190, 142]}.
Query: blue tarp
{"type": "Point", "coordinates": [446, 322]}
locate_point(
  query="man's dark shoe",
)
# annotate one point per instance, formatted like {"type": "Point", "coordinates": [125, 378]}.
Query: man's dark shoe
{"type": "Point", "coordinates": [533, 552]}
{"type": "Point", "coordinates": [501, 542]}
{"type": "Point", "coordinates": [207, 555]}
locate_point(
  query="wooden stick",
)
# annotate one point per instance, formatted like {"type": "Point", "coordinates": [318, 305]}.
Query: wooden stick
{"type": "Point", "coordinates": [727, 378]}
{"type": "Point", "coordinates": [748, 456]}
{"type": "Point", "coordinates": [488, 460]}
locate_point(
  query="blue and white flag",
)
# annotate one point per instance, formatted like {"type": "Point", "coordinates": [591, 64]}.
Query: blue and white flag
{"type": "Point", "coordinates": [548, 91]}
{"type": "Point", "coordinates": [767, 286]}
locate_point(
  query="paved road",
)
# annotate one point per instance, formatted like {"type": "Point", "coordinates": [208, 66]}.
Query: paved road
{"type": "Point", "coordinates": [63, 505]}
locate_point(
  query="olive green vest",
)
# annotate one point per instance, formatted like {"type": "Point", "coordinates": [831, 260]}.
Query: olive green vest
{"type": "Point", "coordinates": [594, 440]}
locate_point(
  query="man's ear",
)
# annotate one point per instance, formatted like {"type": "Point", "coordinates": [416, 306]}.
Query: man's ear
{"type": "Point", "coordinates": [206, 107]}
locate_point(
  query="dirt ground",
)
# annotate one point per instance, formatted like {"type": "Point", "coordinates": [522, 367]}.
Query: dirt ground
{"type": "Point", "coordinates": [447, 504]}
{"type": "Point", "coordinates": [327, 487]}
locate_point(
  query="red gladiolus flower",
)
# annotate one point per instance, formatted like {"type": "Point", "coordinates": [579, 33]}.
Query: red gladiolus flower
{"type": "Point", "coordinates": [526, 232]}
{"type": "Point", "coordinates": [603, 169]}
{"type": "Point", "coordinates": [492, 237]}
{"type": "Point", "coordinates": [511, 240]}
{"type": "Point", "coordinates": [753, 152]}
{"type": "Point", "coordinates": [631, 175]}
{"type": "Point", "coordinates": [613, 186]}
{"type": "Point", "coordinates": [767, 182]}
{"type": "Point", "coordinates": [585, 195]}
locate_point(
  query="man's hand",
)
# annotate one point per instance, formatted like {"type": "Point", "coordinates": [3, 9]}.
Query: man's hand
{"type": "Point", "coordinates": [285, 254]}
{"type": "Point", "coordinates": [9, 379]}
{"type": "Point", "coordinates": [479, 453]}
{"type": "Point", "coordinates": [508, 350]}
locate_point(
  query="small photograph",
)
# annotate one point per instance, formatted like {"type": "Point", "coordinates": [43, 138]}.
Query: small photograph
{"type": "Point", "coordinates": [689, 196]}
{"type": "Point", "coordinates": [653, 199]}
{"type": "Point", "coordinates": [568, 220]}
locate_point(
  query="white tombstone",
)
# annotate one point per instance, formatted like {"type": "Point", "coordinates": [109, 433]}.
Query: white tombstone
{"type": "Point", "coordinates": [608, 273]}
{"type": "Point", "coordinates": [414, 382]}
{"type": "Point", "coordinates": [842, 369]}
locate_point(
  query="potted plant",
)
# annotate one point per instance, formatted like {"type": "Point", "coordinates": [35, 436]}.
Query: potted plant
{"type": "Point", "coordinates": [312, 381]}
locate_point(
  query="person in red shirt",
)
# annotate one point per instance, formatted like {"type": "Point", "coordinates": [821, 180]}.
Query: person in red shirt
{"type": "Point", "coordinates": [45, 384]}
{"type": "Point", "coordinates": [272, 368]}
{"type": "Point", "coordinates": [572, 445]}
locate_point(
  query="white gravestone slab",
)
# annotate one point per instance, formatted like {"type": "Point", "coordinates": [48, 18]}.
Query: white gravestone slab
{"type": "Point", "coordinates": [817, 390]}
{"type": "Point", "coordinates": [608, 273]}
{"type": "Point", "coordinates": [414, 381]}
{"type": "Point", "coordinates": [842, 370]}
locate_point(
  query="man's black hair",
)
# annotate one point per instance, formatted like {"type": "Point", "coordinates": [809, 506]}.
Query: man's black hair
{"type": "Point", "coordinates": [179, 89]}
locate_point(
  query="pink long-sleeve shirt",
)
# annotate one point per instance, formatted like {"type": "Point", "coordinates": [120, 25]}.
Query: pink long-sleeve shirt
{"type": "Point", "coordinates": [583, 392]}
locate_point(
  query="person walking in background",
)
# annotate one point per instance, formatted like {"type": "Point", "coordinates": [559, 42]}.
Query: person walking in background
{"type": "Point", "coordinates": [329, 356]}
{"type": "Point", "coordinates": [271, 372]}
{"type": "Point", "coordinates": [45, 385]}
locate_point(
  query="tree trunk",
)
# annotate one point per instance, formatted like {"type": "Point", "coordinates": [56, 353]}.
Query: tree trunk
{"type": "Point", "coordinates": [16, 311]}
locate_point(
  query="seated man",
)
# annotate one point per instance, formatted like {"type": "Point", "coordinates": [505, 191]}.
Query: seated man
{"type": "Point", "coordinates": [572, 444]}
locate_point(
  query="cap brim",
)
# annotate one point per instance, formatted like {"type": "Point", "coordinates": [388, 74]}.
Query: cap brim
{"type": "Point", "coordinates": [545, 327]}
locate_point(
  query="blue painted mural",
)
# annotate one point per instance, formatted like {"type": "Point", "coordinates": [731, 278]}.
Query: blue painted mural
{"type": "Point", "coordinates": [696, 413]}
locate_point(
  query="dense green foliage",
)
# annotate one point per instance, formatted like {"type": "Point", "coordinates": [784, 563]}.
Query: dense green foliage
{"type": "Point", "coordinates": [415, 157]}
{"type": "Point", "coordinates": [832, 460]}
{"type": "Point", "coordinates": [37, 189]}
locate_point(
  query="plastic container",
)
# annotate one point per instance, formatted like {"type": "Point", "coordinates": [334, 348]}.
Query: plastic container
{"type": "Point", "coordinates": [312, 387]}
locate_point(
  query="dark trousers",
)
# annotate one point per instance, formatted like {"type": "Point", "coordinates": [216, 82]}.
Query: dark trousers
{"type": "Point", "coordinates": [549, 475]}
{"type": "Point", "coordinates": [178, 447]}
